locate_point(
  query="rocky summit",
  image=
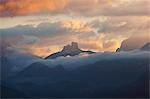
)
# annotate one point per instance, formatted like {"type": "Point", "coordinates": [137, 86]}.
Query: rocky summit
{"type": "Point", "coordinates": [69, 50]}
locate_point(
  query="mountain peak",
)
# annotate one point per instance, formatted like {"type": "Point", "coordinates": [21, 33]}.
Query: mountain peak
{"type": "Point", "coordinates": [69, 50]}
{"type": "Point", "coordinates": [146, 47]}
{"type": "Point", "coordinates": [72, 47]}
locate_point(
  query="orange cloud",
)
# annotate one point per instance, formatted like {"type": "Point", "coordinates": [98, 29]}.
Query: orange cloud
{"type": "Point", "coordinates": [39, 51]}
{"type": "Point", "coordinates": [45, 51]}
{"type": "Point", "coordinates": [76, 25]}
{"type": "Point", "coordinates": [77, 7]}
{"type": "Point", "coordinates": [111, 45]}
{"type": "Point", "coordinates": [23, 7]}
{"type": "Point", "coordinates": [98, 43]}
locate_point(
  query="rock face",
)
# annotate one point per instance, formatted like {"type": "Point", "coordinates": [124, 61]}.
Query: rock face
{"type": "Point", "coordinates": [133, 43]}
{"type": "Point", "coordinates": [118, 50]}
{"type": "Point", "coordinates": [69, 50]}
{"type": "Point", "coordinates": [146, 47]}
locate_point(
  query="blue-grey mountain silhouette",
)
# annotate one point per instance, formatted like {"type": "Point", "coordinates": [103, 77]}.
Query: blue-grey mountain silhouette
{"type": "Point", "coordinates": [101, 75]}
{"type": "Point", "coordinates": [116, 77]}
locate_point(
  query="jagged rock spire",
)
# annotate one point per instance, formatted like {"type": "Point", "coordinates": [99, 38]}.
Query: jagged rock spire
{"type": "Point", "coordinates": [69, 50]}
{"type": "Point", "coordinates": [72, 47]}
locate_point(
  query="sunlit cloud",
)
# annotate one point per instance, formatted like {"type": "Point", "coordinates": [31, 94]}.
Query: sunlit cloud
{"type": "Point", "coordinates": [77, 25]}
{"type": "Point", "coordinates": [25, 7]}
{"type": "Point", "coordinates": [44, 27]}
{"type": "Point", "coordinates": [98, 34]}
{"type": "Point", "coordinates": [77, 7]}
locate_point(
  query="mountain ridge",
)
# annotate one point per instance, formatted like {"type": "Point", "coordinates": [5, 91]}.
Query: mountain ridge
{"type": "Point", "coordinates": [68, 50]}
{"type": "Point", "coordinates": [146, 47]}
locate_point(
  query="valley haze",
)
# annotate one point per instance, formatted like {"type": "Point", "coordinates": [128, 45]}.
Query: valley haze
{"type": "Point", "coordinates": [102, 74]}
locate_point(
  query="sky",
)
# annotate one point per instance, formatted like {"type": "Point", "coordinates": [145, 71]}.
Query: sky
{"type": "Point", "coordinates": [44, 27]}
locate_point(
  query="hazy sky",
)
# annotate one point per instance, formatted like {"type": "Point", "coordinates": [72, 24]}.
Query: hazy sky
{"type": "Point", "coordinates": [42, 27]}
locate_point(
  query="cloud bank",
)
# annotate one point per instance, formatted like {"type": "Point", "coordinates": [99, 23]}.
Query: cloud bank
{"type": "Point", "coordinates": [25, 7]}
{"type": "Point", "coordinates": [78, 7]}
{"type": "Point", "coordinates": [97, 34]}
{"type": "Point", "coordinates": [25, 59]}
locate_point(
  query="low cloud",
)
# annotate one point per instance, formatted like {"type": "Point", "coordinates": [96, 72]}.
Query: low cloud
{"type": "Point", "coordinates": [72, 62]}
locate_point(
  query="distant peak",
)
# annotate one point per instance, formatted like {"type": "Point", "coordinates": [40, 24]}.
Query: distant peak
{"type": "Point", "coordinates": [72, 47]}
{"type": "Point", "coordinates": [146, 47]}
{"type": "Point", "coordinates": [69, 50]}
{"type": "Point", "coordinates": [74, 44]}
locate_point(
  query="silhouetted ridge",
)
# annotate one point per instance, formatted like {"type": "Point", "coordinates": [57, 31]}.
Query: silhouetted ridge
{"type": "Point", "coordinates": [146, 47]}
{"type": "Point", "coordinates": [40, 70]}
{"type": "Point", "coordinates": [69, 50]}
{"type": "Point", "coordinates": [73, 47]}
